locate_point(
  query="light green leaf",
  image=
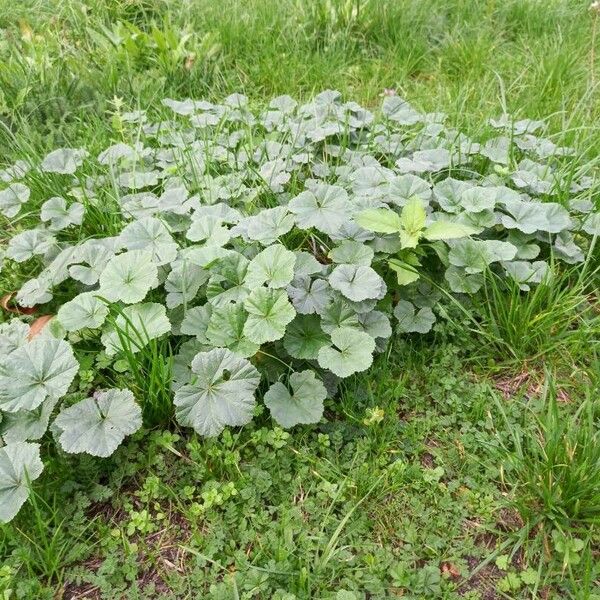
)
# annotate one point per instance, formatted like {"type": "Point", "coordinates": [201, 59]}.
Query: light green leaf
{"type": "Point", "coordinates": [405, 273]}
{"type": "Point", "coordinates": [324, 207]}
{"type": "Point", "coordinates": [477, 199]}
{"type": "Point", "coordinates": [64, 161]}
{"type": "Point", "coordinates": [273, 266]}
{"type": "Point", "coordinates": [12, 199]}
{"type": "Point", "coordinates": [351, 252]}
{"type": "Point", "coordinates": [98, 425]}
{"type": "Point", "coordinates": [20, 464]}
{"type": "Point", "coordinates": [209, 229]}
{"type": "Point", "coordinates": [449, 192]}
{"type": "Point", "coordinates": [530, 217]}
{"type": "Point", "coordinates": [525, 273]}
{"type": "Point", "coordinates": [306, 265]}
{"type": "Point", "coordinates": [128, 277]}
{"type": "Point", "coordinates": [338, 313]}
{"type": "Point", "coordinates": [28, 243]}
{"type": "Point", "coordinates": [412, 321]}
{"type": "Point", "coordinates": [405, 187]}
{"type": "Point", "coordinates": [13, 335]}
{"type": "Point", "coordinates": [476, 255]}
{"type": "Point", "coordinates": [357, 283]}
{"type": "Point", "coordinates": [135, 327]}
{"type": "Point", "coordinates": [151, 235]}
{"type": "Point", "coordinates": [462, 282]}
{"type": "Point", "coordinates": [26, 425]}
{"type": "Point", "coordinates": [376, 324]}
{"type": "Point", "coordinates": [43, 368]}
{"type": "Point", "coordinates": [309, 295]}
{"type": "Point", "coordinates": [84, 311]}
{"type": "Point", "coordinates": [183, 283]}
{"type": "Point", "coordinates": [220, 393]}
{"type": "Point", "coordinates": [227, 281]}
{"type": "Point", "coordinates": [379, 220]}
{"type": "Point", "coordinates": [445, 230]}
{"type": "Point", "coordinates": [195, 322]}
{"type": "Point", "coordinates": [60, 216]}
{"type": "Point", "coordinates": [303, 406]}
{"type": "Point", "coordinates": [304, 337]}
{"type": "Point", "coordinates": [226, 330]}
{"type": "Point", "coordinates": [413, 215]}
{"type": "Point", "coordinates": [270, 224]}
{"type": "Point", "coordinates": [351, 352]}
{"type": "Point", "coordinates": [269, 313]}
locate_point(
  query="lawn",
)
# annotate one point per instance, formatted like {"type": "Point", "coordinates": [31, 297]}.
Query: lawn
{"type": "Point", "coordinates": [464, 462]}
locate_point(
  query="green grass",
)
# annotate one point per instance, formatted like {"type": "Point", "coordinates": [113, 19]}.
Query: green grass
{"type": "Point", "coordinates": [424, 480]}
{"type": "Point", "coordinates": [469, 58]}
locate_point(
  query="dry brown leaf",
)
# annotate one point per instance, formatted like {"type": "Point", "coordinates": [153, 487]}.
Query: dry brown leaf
{"type": "Point", "coordinates": [5, 303]}
{"type": "Point", "coordinates": [449, 569]}
{"type": "Point", "coordinates": [36, 327]}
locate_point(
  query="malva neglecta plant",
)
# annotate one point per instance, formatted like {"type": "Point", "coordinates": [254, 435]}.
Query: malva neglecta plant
{"type": "Point", "coordinates": [266, 250]}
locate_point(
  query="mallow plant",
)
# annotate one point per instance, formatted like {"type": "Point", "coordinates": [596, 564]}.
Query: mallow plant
{"type": "Point", "coordinates": [274, 251]}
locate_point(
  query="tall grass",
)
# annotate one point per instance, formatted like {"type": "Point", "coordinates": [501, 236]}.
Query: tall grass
{"type": "Point", "coordinates": [560, 315]}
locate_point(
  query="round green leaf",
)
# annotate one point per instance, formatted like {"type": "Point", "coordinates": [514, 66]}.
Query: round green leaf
{"type": "Point", "coordinates": [356, 282]}
{"type": "Point", "coordinates": [20, 464]}
{"type": "Point", "coordinates": [43, 368]}
{"type": "Point", "coordinates": [129, 277]}
{"type": "Point", "coordinates": [269, 313]}
{"type": "Point", "coordinates": [98, 425]}
{"type": "Point", "coordinates": [304, 337]}
{"type": "Point", "coordinates": [220, 393]}
{"type": "Point", "coordinates": [324, 207]}
{"type": "Point", "coordinates": [411, 321]}
{"type": "Point", "coordinates": [303, 406]}
{"type": "Point", "coordinates": [226, 330]}
{"type": "Point", "coordinates": [273, 266]}
{"type": "Point", "coordinates": [84, 311]}
{"type": "Point", "coordinates": [351, 352]}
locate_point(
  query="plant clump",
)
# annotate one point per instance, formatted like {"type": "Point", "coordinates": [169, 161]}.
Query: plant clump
{"type": "Point", "coordinates": [273, 252]}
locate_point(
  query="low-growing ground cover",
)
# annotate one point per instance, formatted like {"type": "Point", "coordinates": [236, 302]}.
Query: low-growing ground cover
{"type": "Point", "coordinates": [217, 263]}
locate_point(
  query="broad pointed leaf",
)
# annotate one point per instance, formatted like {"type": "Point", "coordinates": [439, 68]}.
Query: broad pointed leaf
{"type": "Point", "coordinates": [379, 220]}
{"type": "Point", "coordinates": [446, 230]}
